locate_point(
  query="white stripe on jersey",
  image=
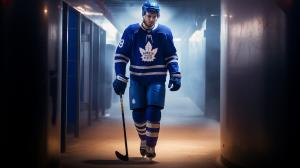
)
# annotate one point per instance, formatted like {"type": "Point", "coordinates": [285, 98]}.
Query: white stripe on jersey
{"type": "Point", "coordinates": [117, 61]}
{"type": "Point", "coordinates": [174, 56]}
{"type": "Point", "coordinates": [147, 67]}
{"type": "Point", "coordinates": [123, 56]}
{"type": "Point", "coordinates": [171, 62]}
{"type": "Point", "coordinates": [148, 73]}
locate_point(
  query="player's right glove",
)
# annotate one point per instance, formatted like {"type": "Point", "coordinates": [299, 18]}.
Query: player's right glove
{"type": "Point", "coordinates": [120, 84]}
{"type": "Point", "coordinates": [175, 81]}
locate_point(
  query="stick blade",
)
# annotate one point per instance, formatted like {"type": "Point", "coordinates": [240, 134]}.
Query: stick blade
{"type": "Point", "coordinates": [121, 157]}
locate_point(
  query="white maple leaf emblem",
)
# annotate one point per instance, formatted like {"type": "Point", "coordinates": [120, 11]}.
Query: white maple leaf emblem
{"type": "Point", "coordinates": [148, 54]}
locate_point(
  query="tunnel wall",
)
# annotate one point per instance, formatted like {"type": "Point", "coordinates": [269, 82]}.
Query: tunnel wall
{"type": "Point", "coordinates": [84, 72]}
{"type": "Point", "coordinates": [212, 65]}
{"type": "Point", "coordinates": [196, 64]}
{"type": "Point", "coordinates": [258, 82]}
{"type": "Point", "coordinates": [109, 62]}
{"type": "Point", "coordinates": [31, 49]}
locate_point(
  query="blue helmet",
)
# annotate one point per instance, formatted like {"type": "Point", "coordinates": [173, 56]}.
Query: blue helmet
{"type": "Point", "coordinates": [150, 6]}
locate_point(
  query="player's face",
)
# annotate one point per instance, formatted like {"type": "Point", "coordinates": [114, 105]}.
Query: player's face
{"type": "Point", "coordinates": [150, 19]}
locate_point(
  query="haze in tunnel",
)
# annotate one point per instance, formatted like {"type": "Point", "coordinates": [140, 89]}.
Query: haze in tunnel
{"type": "Point", "coordinates": [60, 109]}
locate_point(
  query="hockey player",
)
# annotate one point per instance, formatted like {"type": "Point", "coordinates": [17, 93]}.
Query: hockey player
{"type": "Point", "coordinates": [149, 48]}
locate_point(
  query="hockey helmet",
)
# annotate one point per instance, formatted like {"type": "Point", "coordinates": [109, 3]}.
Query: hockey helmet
{"type": "Point", "coordinates": [150, 6]}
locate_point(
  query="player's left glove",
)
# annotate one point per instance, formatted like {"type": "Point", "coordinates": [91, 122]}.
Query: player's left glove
{"type": "Point", "coordinates": [175, 81]}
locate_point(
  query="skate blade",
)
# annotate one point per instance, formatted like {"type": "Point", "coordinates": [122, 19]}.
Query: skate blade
{"type": "Point", "coordinates": [151, 159]}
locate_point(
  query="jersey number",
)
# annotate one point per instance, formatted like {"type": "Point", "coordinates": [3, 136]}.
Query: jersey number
{"type": "Point", "coordinates": [121, 43]}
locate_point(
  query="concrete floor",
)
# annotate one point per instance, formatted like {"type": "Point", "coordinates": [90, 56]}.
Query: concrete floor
{"type": "Point", "coordinates": [186, 140]}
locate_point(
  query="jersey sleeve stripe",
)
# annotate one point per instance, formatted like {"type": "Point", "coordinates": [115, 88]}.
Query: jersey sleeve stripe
{"type": "Point", "coordinates": [122, 56]}
{"type": "Point", "coordinates": [172, 57]}
{"type": "Point", "coordinates": [176, 61]}
{"type": "Point", "coordinates": [120, 60]}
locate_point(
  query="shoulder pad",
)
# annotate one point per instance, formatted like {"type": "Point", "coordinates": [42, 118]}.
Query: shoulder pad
{"type": "Point", "coordinates": [164, 29]}
{"type": "Point", "coordinates": [133, 28]}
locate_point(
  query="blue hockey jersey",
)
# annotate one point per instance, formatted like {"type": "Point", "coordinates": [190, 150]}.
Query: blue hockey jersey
{"type": "Point", "coordinates": [151, 53]}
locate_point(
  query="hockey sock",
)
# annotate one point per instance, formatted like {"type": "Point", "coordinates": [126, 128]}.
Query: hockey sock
{"type": "Point", "coordinates": [153, 116]}
{"type": "Point", "coordinates": [140, 122]}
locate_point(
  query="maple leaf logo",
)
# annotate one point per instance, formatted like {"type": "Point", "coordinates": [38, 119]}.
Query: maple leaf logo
{"type": "Point", "coordinates": [148, 54]}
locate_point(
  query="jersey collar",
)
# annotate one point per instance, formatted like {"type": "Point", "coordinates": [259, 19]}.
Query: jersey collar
{"type": "Point", "coordinates": [154, 27]}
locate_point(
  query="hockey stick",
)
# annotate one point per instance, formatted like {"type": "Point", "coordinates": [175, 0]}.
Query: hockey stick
{"type": "Point", "coordinates": [118, 154]}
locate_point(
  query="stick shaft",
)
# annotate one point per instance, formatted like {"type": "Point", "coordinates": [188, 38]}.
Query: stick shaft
{"type": "Point", "coordinates": [124, 127]}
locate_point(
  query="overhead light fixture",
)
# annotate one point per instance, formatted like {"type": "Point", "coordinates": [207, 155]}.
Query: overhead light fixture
{"type": "Point", "coordinates": [111, 31]}
{"type": "Point", "coordinates": [86, 10]}
{"type": "Point", "coordinates": [87, 7]}
{"type": "Point", "coordinates": [46, 11]}
{"type": "Point", "coordinates": [100, 20]}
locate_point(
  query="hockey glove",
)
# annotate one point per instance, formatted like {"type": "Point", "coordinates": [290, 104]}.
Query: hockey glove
{"type": "Point", "coordinates": [175, 82]}
{"type": "Point", "coordinates": [120, 84]}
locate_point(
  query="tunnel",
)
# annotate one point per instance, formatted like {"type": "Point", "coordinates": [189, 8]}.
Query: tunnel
{"type": "Point", "coordinates": [237, 105]}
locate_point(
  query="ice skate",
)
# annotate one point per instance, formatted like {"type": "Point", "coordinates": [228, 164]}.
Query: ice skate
{"type": "Point", "coordinates": [150, 152]}
{"type": "Point", "coordinates": [143, 150]}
